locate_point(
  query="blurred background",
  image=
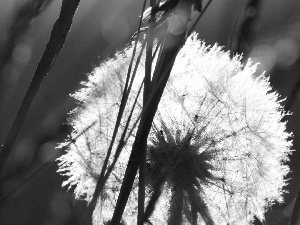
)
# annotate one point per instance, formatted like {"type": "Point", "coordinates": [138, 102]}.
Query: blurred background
{"type": "Point", "coordinates": [268, 31]}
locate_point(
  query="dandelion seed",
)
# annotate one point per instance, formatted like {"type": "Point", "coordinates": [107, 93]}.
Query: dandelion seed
{"type": "Point", "coordinates": [217, 136]}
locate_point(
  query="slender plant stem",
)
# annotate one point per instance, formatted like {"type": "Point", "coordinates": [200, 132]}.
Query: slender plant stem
{"type": "Point", "coordinates": [124, 99]}
{"type": "Point", "coordinates": [55, 44]}
{"type": "Point", "coordinates": [166, 62]}
{"type": "Point", "coordinates": [147, 91]}
{"type": "Point", "coordinates": [104, 174]}
{"type": "Point", "coordinates": [134, 161]}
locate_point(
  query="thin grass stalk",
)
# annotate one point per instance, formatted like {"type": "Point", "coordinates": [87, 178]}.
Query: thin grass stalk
{"type": "Point", "coordinates": [147, 91]}
{"type": "Point", "coordinates": [104, 172]}
{"type": "Point", "coordinates": [156, 74]}
{"type": "Point", "coordinates": [103, 177]}
{"type": "Point", "coordinates": [125, 95]}
{"type": "Point", "coordinates": [167, 60]}
{"type": "Point", "coordinates": [121, 143]}
{"type": "Point", "coordinates": [101, 182]}
{"type": "Point", "coordinates": [134, 161]}
{"type": "Point", "coordinates": [124, 99]}
{"type": "Point", "coordinates": [118, 150]}
{"type": "Point", "coordinates": [55, 44]}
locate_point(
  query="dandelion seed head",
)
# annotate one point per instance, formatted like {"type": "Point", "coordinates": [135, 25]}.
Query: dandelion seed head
{"type": "Point", "coordinates": [216, 122]}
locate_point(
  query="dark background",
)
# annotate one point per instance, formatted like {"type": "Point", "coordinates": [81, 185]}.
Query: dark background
{"type": "Point", "coordinates": [100, 27]}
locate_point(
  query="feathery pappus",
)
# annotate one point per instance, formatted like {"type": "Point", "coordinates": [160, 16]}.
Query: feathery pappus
{"type": "Point", "coordinates": [217, 135]}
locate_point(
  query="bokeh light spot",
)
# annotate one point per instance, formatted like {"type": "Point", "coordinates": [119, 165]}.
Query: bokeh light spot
{"type": "Point", "coordinates": [287, 51]}
{"type": "Point", "coordinates": [47, 152]}
{"type": "Point", "coordinates": [177, 24]}
{"type": "Point", "coordinates": [265, 55]}
{"type": "Point", "coordinates": [24, 151]}
{"type": "Point", "coordinates": [251, 11]}
{"type": "Point", "coordinates": [115, 29]}
{"type": "Point", "coordinates": [22, 53]}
